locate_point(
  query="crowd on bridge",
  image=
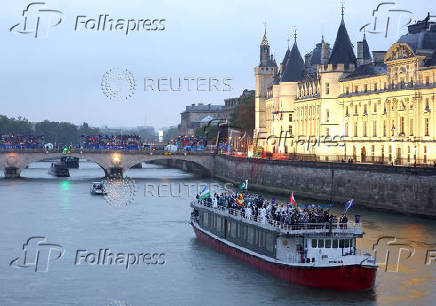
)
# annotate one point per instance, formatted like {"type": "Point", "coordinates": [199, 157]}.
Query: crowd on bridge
{"type": "Point", "coordinates": [256, 207]}
{"type": "Point", "coordinates": [110, 142]}
{"type": "Point", "coordinates": [190, 143]}
{"type": "Point", "coordinates": [20, 142]}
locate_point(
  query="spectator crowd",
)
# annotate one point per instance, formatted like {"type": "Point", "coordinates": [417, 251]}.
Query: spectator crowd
{"type": "Point", "coordinates": [110, 142]}
{"type": "Point", "coordinates": [13, 142]}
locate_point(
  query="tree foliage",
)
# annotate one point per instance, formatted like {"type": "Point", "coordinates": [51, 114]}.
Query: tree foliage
{"type": "Point", "coordinates": [243, 114]}
{"type": "Point", "coordinates": [60, 132]}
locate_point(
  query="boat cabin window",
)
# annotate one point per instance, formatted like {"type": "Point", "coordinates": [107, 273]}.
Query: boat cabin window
{"type": "Point", "coordinates": [341, 243]}
{"type": "Point", "coordinates": [335, 243]}
{"type": "Point", "coordinates": [347, 243]}
{"type": "Point", "coordinates": [328, 243]}
{"type": "Point", "coordinates": [313, 243]}
{"type": "Point", "coordinates": [320, 243]}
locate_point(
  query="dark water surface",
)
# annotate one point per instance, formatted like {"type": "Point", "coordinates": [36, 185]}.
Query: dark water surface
{"type": "Point", "coordinates": [63, 211]}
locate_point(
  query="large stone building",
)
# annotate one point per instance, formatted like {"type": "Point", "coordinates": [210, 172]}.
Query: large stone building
{"type": "Point", "coordinates": [195, 116]}
{"type": "Point", "coordinates": [334, 105]}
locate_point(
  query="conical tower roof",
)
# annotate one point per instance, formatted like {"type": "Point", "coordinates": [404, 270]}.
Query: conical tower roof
{"type": "Point", "coordinates": [366, 52]}
{"type": "Point", "coordinates": [294, 66]}
{"type": "Point", "coordinates": [342, 52]}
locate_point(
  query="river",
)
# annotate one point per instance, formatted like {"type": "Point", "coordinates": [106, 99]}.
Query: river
{"type": "Point", "coordinates": [77, 225]}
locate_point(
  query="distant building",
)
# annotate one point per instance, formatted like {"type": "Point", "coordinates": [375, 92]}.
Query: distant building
{"type": "Point", "coordinates": [195, 116]}
{"type": "Point", "coordinates": [231, 103]}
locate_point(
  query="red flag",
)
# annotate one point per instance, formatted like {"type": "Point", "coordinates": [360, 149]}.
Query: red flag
{"type": "Point", "coordinates": [292, 200]}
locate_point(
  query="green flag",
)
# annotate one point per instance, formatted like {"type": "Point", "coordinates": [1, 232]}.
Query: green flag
{"type": "Point", "coordinates": [243, 185]}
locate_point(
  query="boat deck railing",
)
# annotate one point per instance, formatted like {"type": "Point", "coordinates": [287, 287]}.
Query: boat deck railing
{"type": "Point", "coordinates": [352, 228]}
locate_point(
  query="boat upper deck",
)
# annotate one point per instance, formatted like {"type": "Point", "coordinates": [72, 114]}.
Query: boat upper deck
{"type": "Point", "coordinates": [297, 229]}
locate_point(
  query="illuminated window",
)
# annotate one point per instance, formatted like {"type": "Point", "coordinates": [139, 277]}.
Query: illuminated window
{"type": "Point", "coordinates": [411, 127]}
{"type": "Point", "coordinates": [375, 107]}
{"type": "Point", "coordinates": [427, 80]}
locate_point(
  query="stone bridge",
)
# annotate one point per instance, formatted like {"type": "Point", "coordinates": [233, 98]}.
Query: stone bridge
{"type": "Point", "coordinates": [112, 162]}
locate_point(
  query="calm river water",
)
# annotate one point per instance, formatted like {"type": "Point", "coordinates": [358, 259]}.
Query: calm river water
{"type": "Point", "coordinates": [65, 213]}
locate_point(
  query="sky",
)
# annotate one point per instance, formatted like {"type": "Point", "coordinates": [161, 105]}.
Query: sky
{"type": "Point", "coordinates": [58, 75]}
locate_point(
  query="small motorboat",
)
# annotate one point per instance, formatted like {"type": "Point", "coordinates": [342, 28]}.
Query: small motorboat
{"type": "Point", "coordinates": [59, 170]}
{"type": "Point", "coordinates": [98, 188]}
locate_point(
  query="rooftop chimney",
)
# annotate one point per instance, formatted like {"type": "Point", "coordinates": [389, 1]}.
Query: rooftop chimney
{"type": "Point", "coordinates": [325, 53]}
{"type": "Point", "coordinates": [307, 60]}
{"type": "Point", "coordinates": [378, 56]}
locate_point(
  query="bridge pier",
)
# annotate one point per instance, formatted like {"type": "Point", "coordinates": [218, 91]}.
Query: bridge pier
{"type": "Point", "coordinates": [113, 172]}
{"type": "Point", "coordinates": [12, 172]}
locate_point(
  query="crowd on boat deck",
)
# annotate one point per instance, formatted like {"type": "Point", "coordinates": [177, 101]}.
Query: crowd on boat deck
{"type": "Point", "coordinates": [8, 142]}
{"type": "Point", "coordinates": [110, 142]}
{"type": "Point", "coordinates": [255, 207]}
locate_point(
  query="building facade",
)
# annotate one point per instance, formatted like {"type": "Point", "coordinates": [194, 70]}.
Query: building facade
{"type": "Point", "coordinates": [332, 105]}
{"type": "Point", "coordinates": [198, 115]}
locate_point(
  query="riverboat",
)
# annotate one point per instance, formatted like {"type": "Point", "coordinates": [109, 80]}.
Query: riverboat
{"type": "Point", "coordinates": [97, 188]}
{"type": "Point", "coordinates": [59, 169]}
{"type": "Point", "coordinates": [70, 162]}
{"type": "Point", "coordinates": [321, 255]}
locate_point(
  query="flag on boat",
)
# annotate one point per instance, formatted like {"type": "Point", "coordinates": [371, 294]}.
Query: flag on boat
{"type": "Point", "coordinates": [205, 193]}
{"type": "Point", "coordinates": [240, 200]}
{"type": "Point", "coordinates": [349, 204]}
{"type": "Point", "coordinates": [243, 185]}
{"type": "Point", "coordinates": [292, 200]}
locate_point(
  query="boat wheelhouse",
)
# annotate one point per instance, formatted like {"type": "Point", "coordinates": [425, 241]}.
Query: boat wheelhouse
{"type": "Point", "coordinates": [311, 254]}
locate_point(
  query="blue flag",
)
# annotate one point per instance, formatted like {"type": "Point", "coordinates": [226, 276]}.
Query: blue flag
{"type": "Point", "coordinates": [349, 204]}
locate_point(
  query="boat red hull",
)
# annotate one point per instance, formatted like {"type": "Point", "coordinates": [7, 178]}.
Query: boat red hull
{"type": "Point", "coordinates": [354, 277]}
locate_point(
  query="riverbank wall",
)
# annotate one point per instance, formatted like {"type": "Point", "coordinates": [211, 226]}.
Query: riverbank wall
{"type": "Point", "coordinates": [400, 189]}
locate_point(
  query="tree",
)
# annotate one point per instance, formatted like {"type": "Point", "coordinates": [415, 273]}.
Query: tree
{"type": "Point", "coordinates": [243, 114]}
